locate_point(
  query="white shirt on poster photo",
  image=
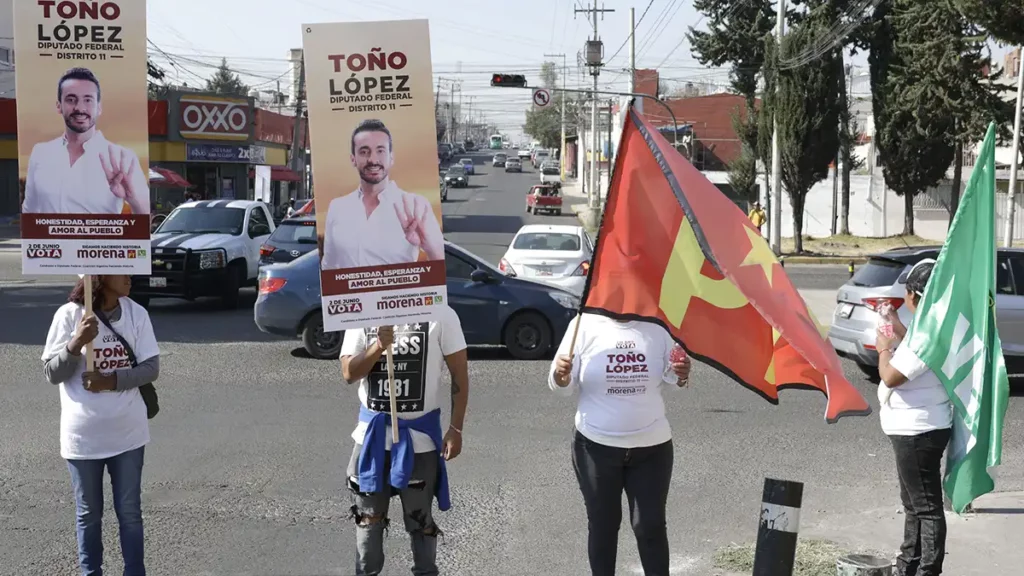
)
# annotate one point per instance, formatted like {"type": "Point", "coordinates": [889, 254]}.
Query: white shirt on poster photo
{"type": "Point", "coordinates": [81, 172]}
{"type": "Point", "coordinates": [94, 426]}
{"type": "Point", "coordinates": [379, 223]}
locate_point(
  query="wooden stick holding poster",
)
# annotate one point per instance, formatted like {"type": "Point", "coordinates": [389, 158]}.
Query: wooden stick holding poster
{"type": "Point", "coordinates": [87, 284]}
{"type": "Point", "coordinates": [391, 394]}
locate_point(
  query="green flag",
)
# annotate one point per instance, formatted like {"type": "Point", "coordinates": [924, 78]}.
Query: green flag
{"type": "Point", "coordinates": [954, 333]}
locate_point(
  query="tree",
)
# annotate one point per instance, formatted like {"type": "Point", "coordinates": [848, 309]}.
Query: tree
{"type": "Point", "coordinates": [735, 36]}
{"type": "Point", "coordinates": [804, 103]}
{"type": "Point", "coordinates": [911, 61]}
{"type": "Point", "coordinates": [1003, 19]}
{"type": "Point", "coordinates": [743, 170]}
{"type": "Point", "coordinates": [975, 100]}
{"type": "Point", "coordinates": [224, 81]}
{"type": "Point", "coordinates": [545, 124]}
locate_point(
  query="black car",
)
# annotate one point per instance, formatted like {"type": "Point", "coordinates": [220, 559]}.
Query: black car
{"type": "Point", "coordinates": [456, 176]}
{"type": "Point", "coordinates": [293, 238]}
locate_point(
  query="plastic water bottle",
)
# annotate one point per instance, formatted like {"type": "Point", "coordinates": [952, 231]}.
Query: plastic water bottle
{"type": "Point", "coordinates": [678, 354]}
{"type": "Point", "coordinates": [883, 323]}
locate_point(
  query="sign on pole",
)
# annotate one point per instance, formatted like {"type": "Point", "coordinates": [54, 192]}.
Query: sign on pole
{"type": "Point", "coordinates": [86, 206]}
{"type": "Point", "coordinates": [373, 137]}
{"type": "Point", "coordinates": [541, 98]}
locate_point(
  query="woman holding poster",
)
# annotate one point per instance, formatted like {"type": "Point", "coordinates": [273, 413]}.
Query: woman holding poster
{"type": "Point", "coordinates": [103, 417]}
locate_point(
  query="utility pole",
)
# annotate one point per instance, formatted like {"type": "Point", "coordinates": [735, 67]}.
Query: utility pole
{"type": "Point", "coordinates": [561, 153]}
{"type": "Point", "coordinates": [451, 114]}
{"type": "Point", "coordinates": [1012, 190]}
{"type": "Point", "coordinates": [460, 112]}
{"type": "Point", "coordinates": [632, 51]}
{"type": "Point", "coordinates": [278, 97]}
{"type": "Point", "coordinates": [775, 224]}
{"type": "Point", "coordinates": [298, 135]}
{"type": "Point", "coordinates": [594, 56]}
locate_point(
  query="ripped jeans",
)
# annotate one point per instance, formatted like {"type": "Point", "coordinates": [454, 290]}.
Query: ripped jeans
{"type": "Point", "coordinates": [370, 512]}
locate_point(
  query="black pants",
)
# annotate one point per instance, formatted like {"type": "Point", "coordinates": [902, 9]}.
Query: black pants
{"type": "Point", "coordinates": [919, 464]}
{"type": "Point", "coordinates": [645, 474]}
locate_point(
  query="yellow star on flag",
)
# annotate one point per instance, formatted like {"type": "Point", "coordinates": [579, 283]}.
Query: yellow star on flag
{"type": "Point", "coordinates": [769, 375]}
{"type": "Point", "coordinates": [760, 254]}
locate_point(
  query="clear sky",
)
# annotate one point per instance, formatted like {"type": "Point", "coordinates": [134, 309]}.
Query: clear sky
{"type": "Point", "coordinates": [470, 39]}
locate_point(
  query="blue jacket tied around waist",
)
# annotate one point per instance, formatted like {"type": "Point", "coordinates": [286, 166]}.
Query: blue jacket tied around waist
{"type": "Point", "coordinates": [374, 451]}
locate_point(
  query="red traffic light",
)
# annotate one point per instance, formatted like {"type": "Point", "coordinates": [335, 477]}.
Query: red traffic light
{"type": "Point", "coordinates": [508, 80]}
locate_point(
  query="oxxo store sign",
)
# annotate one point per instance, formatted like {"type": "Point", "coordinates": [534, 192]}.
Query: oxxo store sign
{"type": "Point", "coordinates": [203, 117]}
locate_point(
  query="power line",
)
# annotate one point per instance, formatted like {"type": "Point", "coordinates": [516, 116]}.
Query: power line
{"type": "Point", "coordinates": [626, 41]}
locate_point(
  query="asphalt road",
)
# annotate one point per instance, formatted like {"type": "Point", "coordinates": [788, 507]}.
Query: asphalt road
{"type": "Point", "coordinates": [244, 474]}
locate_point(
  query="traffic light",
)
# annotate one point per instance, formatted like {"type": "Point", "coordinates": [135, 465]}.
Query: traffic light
{"type": "Point", "coordinates": [508, 80]}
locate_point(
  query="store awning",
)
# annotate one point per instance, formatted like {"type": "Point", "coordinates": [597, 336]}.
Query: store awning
{"type": "Point", "coordinates": [168, 178]}
{"type": "Point", "coordinates": [280, 174]}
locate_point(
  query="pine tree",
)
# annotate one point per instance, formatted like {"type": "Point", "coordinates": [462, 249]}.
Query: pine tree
{"type": "Point", "coordinates": [735, 37]}
{"type": "Point", "coordinates": [1003, 19]}
{"type": "Point", "coordinates": [805, 104]}
{"type": "Point", "coordinates": [224, 81]}
{"type": "Point", "coordinates": [912, 58]}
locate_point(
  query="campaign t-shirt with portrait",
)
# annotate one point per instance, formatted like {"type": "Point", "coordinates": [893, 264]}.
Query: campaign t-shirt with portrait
{"type": "Point", "coordinates": [418, 351]}
{"type": "Point", "coordinates": [619, 368]}
{"type": "Point", "coordinates": [919, 405]}
{"type": "Point", "coordinates": [98, 425]}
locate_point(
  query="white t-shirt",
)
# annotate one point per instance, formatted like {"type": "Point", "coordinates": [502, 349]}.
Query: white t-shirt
{"type": "Point", "coordinates": [419, 352]}
{"type": "Point", "coordinates": [55, 186]}
{"type": "Point", "coordinates": [920, 405]}
{"type": "Point", "coordinates": [98, 425]}
{"type": "Point", "coordinates": [353, 240]}
{"type": "Point", "coordinates": [619, 368]}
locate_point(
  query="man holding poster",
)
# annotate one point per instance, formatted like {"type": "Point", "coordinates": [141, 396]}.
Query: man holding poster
{"type": "Point", "coordinates": [392, 225]}
{"type": "Point", "coordinates": [382, 252]}
{"type": "Point", "coordinates": [86, 205]}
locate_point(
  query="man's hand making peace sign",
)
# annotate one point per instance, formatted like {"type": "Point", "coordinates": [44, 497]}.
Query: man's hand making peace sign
{"type": "Point", "coordinates": [120, 166]}
{"type": "Point", "coordinates": [420, 225]}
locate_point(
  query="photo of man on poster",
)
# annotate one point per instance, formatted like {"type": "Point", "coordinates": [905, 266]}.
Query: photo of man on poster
{"type": "Point", "coordinates": [379, 223]}
{"type": "Point", "coordinates": [80, 172]}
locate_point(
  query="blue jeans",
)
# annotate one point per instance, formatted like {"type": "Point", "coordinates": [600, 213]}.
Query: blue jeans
{"type": "Point", "coordinates": [126, 480]}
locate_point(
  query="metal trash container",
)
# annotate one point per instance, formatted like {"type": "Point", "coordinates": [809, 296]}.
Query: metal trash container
{"type": "Point", "coordinates": [863, 565]}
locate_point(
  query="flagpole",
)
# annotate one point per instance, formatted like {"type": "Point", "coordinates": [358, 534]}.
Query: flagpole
{"type": "Point", "coordinates": [1011, 208]}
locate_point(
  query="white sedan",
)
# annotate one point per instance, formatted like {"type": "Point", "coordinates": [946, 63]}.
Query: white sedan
{"type": "Point", "coordinates": [523, 153]}
{"type": "Point", "coordinates": [551, 254]}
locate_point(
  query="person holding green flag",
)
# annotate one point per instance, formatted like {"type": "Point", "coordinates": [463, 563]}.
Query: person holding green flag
{"type": "Point", "coordinates": [953, 342]}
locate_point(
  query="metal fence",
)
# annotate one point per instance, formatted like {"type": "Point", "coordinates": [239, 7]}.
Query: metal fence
{"type": "Point", "coordinates": [939, 199]}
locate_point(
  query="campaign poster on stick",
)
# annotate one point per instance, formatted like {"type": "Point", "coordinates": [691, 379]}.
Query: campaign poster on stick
{"type": "Point", "coordinates": [375, 180]}
{"type": "Point", "coordinates": [83, 136]}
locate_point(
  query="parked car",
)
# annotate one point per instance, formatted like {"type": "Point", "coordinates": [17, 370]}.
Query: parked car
{"type": "Point", "coordinates": [883, 279]}
{"type": "Point", "coordinates": [550, 171]}
{"type": "Point", "coordinates": [558, 255]}
{"type": "Point", "coordinates": [206, 248]}
{"type": "Point", "coordinates": [544, 198]}
{"type": "Point", "coordinates": [528, 318]}
{"type": "Point", "coordinates": [456, 176]}
{"type": "Point", "coordinates": [293, 238]}
{"type": "Point", "coordinates": [467, 163]}
{"type": "Point", "coordinates": [498, 161]}
{"type": "Point", "coordinates": [513, 165]}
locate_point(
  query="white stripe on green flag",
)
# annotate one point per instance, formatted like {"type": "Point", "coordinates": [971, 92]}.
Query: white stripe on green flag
{"type": "Point", "coordinates": [954, 333]}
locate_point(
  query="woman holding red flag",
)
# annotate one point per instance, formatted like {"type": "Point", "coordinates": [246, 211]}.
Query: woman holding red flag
{"type": "Point", "coordinates": [622, 441]}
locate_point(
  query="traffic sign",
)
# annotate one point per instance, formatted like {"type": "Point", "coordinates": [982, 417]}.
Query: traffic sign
{"type": "Point", "coordinates": [541, 98]}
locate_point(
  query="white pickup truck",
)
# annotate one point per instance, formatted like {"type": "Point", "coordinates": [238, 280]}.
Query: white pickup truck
{"type": "Point", "coordinates": [206, 248]}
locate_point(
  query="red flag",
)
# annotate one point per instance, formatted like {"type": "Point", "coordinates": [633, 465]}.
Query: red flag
{"type": "Point", "coordinates": [674, 250]}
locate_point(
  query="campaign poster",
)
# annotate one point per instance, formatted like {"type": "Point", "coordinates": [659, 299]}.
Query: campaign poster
{"type": "Point", "coordinates": [375, 175]}
{"type": "Point", "coordinates": [83, 136]}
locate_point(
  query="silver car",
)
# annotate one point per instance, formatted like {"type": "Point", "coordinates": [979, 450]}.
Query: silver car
{"type": "Point", "coordinates": [884, 278]}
